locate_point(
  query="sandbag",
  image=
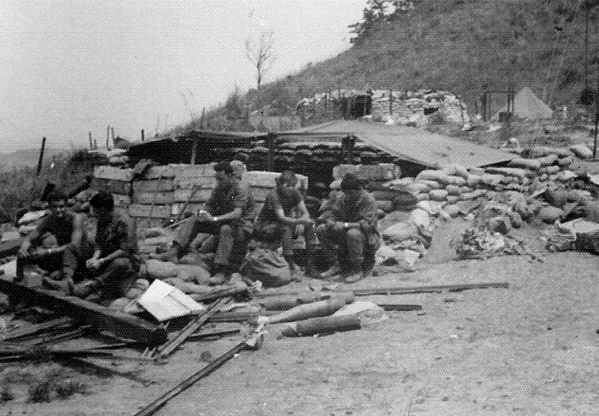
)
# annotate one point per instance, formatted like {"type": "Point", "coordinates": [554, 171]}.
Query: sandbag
{"type": "Point", "coordinates": [517, 172]}
{"type": "Point", "coordinates": [431, 184]}
{"type": "Point", "coordinates": [547, 160]}
{"type": "Point", "coordinates": [420, 218]}
{"type": "Point", "coordinates": [404, 202]}
{"type": "Point", "coordinates": [432, 175]}
{"type": "Point", "coordinates": [549, 170]}
{"type": "Point", "coordinates": [193, 274]}
{"type": "Point", "coordinates": [455, 180]}
{"type": "Point", "coordinates": [400, 232]}
{"type": "Point", "coordinates": [452, 199]}
{"type": "Point", "coordinates": [438, 194]}
{"type": "Point", "coordinates": [267, 266]}
{"type": "Point", "coordinates": [453, 189]}
{"type": "Point", "coordinates": [452, 210]}
{"type": "Point", "coordinates": [549, 214]}
{"type": "Point", "coordinates": [417, 188]}
{"type": "Point", "coordinates": [157, 269]}
{"type": "Point", "coordinates": [456, 170]}
{"type": "Point", "coordinates": [474, 180]}
{"type": "Point", "coordinates": [518, 162]}
{"type": "Point", "coordinates": [581, 151]}
{"type": "Point", "coordinates": [565, 161]}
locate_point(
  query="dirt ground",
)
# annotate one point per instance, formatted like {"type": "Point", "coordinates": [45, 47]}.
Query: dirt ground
{"type": "Point", "coordinates": [530, 349]}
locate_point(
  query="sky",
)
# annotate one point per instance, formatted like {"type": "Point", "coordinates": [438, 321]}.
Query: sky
{"type": "Point", "coordinates": [70, 67]}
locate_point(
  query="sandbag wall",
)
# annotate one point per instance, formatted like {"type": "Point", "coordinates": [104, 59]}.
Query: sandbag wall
{"type": "Point", "coordinates": [164, 191]}
{"type": "Point", "coordinates": [403, 107]}
{"type": "Point", "coordinates": [453, 184]}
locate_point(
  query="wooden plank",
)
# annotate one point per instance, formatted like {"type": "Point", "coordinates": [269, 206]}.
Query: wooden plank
{"type": "Point", "coordinates": [156, 185]}
{"type": "Point", "coordinates": [112, 173]}
{"type": "Point", "coordinates": [195, 324]}
{"type": "Point", "coordinates": [201, 195]}
{"type": "Point", "coordinates": [114, 187]}
{"type": "Point", "coordinates": [190, 172]}
{"type": "Point", "coordinates": [203, 182]}
{"type": "Point", "coordinates": [121, 200]}
{"type": "Point", "coordinates": [34, 329]}
{"type": "Point", "coordinates": [143, 211]}
{"type": "Point", "coordinates": [161, 198]}
{"type": "Point", "coordinates": [117, 323]}
{"type": "Point", "coordinates": [397, 290]}
{"type": "Point", "coordinates": [157, 172]}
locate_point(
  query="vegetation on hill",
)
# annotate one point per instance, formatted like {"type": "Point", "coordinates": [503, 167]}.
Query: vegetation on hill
{"type": "Point", "coordinates": [453, 45]}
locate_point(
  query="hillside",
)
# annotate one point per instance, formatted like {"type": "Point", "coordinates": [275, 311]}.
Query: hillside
{"type": "Point", "coordinates": [27, 158]}
{"type": "Point", "coordinates": [455, 45]}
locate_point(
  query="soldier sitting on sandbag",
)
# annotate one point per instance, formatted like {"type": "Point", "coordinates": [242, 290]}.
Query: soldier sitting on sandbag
{"type": "Point", "coordinates": [109, 268]}
{"type": "Point", "coordinates": [228, 215]}
{"type": "Point", "coordinates": [59, 230]}
{"type": "Point", "coordinates": [277, 214]}
{"type": "Point", "coordinates": [350, 235]}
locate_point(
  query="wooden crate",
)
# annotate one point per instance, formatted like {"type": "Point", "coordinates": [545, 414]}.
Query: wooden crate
{"type": "Point", "coordinates": [144, 211]}
{"type": "Point", "coordinates": [151, 186]}
{"type": "Point", "coordinates": [111, 186]}
{"type": "Point", "coordinates": [157, 198]}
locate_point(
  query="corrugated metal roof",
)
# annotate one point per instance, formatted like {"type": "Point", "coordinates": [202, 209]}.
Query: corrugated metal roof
{"type": "Point", "coordinates": [409, 143]}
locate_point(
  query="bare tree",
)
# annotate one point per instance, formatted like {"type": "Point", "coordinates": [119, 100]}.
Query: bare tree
{"type": "Point", "coordinates": [261, 54]}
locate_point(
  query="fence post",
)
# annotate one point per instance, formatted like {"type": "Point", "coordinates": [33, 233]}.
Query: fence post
{"type": "Point", "coordinates": [41, 159]}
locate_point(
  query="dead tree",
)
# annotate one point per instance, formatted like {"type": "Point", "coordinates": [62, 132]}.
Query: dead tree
{"type": "Point", "coordinates": [261, 54]}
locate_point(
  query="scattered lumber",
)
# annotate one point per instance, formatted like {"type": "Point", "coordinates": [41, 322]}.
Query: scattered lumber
{"type": "Point", "coordinates": [211, 334]}
{"type": "Point", "coordinates": [195, 324]}
{"type": "Point", "coordinates": [253, 343]}
{"type": "Point", "coordinates": [399, 307]}
{"type": "Point", "coordinates": [117, 323]}
{"type": "Point", "coordinates": [428, 288]}
{"type": "Point", "coordinates": [37, 328]}
{"type": "Point", "coordinates": [398, 290]}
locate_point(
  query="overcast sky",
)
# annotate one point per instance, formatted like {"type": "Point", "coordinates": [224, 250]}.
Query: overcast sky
{"type": "Point", "coordinates": [73, 66]}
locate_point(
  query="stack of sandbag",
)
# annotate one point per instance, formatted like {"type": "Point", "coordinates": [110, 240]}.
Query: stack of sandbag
{"type": "Point", "coordinates": [549, 164]}
{"type": "Point", "coordinates": [447, 186]}
{"type": "Point", "coordinates": [115, 180]}
{"type": "Point", "coordinates": [414, 107]}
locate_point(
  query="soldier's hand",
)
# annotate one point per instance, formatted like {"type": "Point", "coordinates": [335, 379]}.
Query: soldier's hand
{"type": "Point", "coordinates": [339, 226]}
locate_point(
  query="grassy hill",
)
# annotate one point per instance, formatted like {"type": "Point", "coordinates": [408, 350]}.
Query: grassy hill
{"type": "Point", "coordinates": [454, 45]}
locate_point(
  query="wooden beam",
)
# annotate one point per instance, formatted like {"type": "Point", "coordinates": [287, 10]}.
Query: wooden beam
{"type": "Point", "coordinates": [117, 323]}
{"type": "Point", "coordinates": [399, 290]}
{"type": "Point", "coordinates": [195, 324]}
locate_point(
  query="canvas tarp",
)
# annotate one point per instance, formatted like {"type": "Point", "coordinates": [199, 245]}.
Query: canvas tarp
{"type": "Point", "coordinates": [408, 143]}
{"type": "Point", "coordinates": [527, 106]}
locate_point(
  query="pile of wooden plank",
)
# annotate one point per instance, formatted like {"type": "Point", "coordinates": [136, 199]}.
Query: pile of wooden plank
{"type": "Point", "coordinates": [162, 192]}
